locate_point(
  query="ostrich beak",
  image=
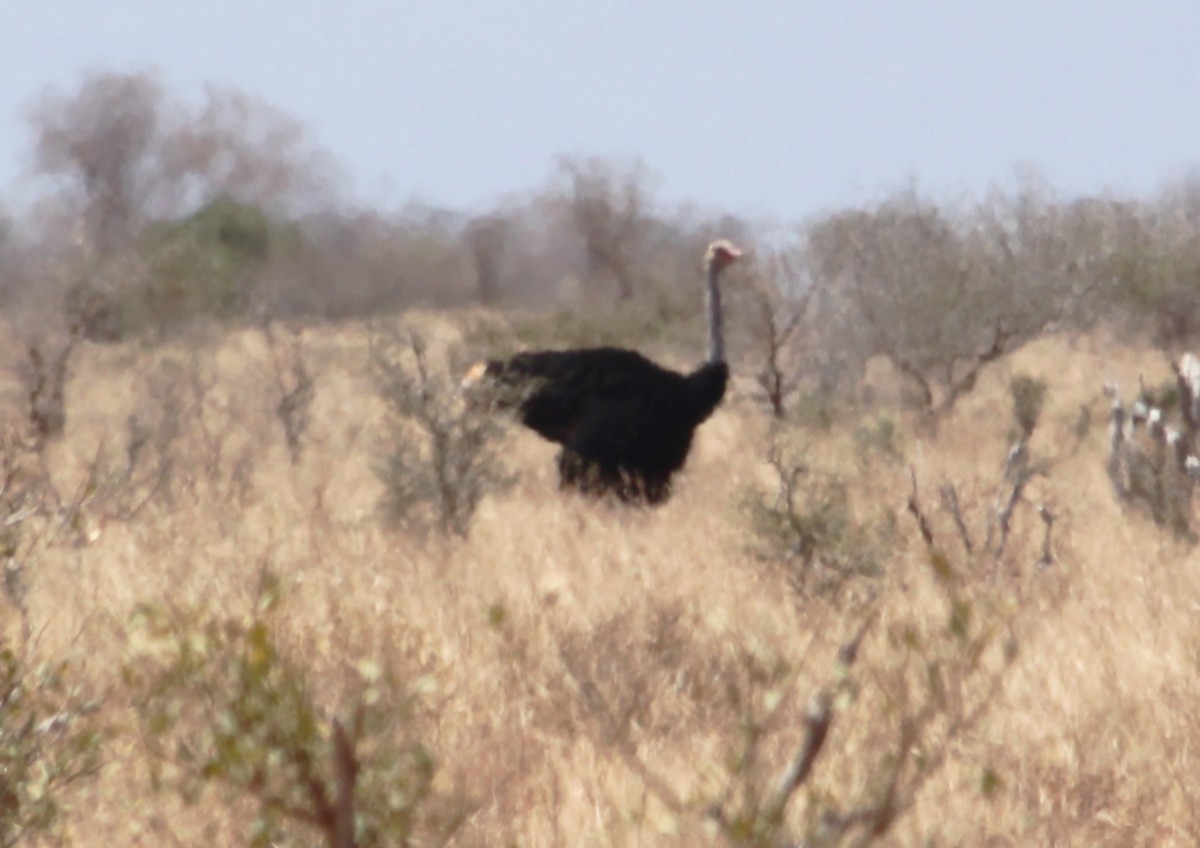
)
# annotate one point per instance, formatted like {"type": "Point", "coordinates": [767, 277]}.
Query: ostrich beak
{"type": "Point", "coordinates": [474, 375]}
{"type": "Point", "coordinates": [723, 251]}
{"type": "Point", "coordinates": [471, 391]}
{"type": "Point", "coordinates": [726, 254]}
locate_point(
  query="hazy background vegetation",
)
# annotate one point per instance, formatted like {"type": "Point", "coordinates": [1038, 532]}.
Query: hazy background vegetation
{"type": "Point", "coordinates": [259, 558]}
{"type": "Point", "coordinates": [157, 211]}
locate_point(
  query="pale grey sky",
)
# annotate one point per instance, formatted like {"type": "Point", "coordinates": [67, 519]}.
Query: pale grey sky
{"type": "Point", "coordinates": [767, 109]}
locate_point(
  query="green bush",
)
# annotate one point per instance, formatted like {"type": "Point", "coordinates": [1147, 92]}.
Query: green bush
{"type": "Point", "coordinates": [50, 740]}
{"type": "Point", "coordinates": [205, 265]}
{"type": "Point", "coordinates": [1159, 283]}
{"type": "Point", "coordinates": [202, 265]}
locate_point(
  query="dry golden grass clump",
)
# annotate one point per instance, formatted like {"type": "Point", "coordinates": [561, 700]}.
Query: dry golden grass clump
{"type": "Point", "coordinates": [587, 674]}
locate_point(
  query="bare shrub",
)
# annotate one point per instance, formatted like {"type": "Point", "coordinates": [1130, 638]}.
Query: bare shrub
{"type": "Point", "coordinates": [45, 387]}
{"type": "Point", "coordinates": [809, 525]}
{"type": "Point", "coordinates": [196, 449]}
{"type": "Point", "coordinates": [168, 453]}
{"type": "Point", "coordinates": [894, 712]}
{"type": "Point", "coordinates": [21, 498]}
{"type": "Point", "coordinates": [182, 444]}
{"type": "Point", "coordinates": [1028, 397]}
{"type": "Point", "coordinates": [442, 460]}
{"type": "Point", "coordinates": [1020, 467]}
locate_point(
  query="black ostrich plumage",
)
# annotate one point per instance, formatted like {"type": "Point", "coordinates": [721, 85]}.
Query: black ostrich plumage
{"type": "Point", "coordinates": [625, 424]}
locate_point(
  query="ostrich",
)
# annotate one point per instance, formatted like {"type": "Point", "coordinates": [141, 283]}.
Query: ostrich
{"type": "Point", "coordinates": [625, 424]}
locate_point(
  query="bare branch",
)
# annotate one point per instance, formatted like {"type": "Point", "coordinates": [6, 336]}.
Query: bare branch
{"type": "Point", "coordinates": [950, 501]}
{"type": "Point", "coordinates": [817, 721]}
{"type": "Point", "coordinates": [914, 507]}
{"type": "Point", "coordinates": [1047, 558]}
{"type": "Point", "coordinates": [345, 770]}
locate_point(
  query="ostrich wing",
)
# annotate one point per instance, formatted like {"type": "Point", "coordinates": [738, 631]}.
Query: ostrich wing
{"type": "Point", "coordinates": [566, 392]}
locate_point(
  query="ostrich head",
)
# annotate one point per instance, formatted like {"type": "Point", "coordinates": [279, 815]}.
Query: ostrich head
{"type": "Point", "coordinates": [485, 386]}
{"type": "Point", "coordinates": [475, 389]}
{"type": "Point", "coordinates": [474, 376]}
{"type": "Point", "coordinates": [721, 254]}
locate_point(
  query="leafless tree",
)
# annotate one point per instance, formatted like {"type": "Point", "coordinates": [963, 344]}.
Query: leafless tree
{"type": "Point", "coordinates": [607, 204]}
{"type": "Point", "coordinates": [131, 153]}
{"type": "Point", "coordinates": [488, 237]}
{"type": "Point", "coordinates": [941, 296]}
{"type": "Point", "coordinates": [781, 303]}
{"type": "Point", "coordinates": [104, 138]}
{"type": "Point", "coordinates": [241, 147]}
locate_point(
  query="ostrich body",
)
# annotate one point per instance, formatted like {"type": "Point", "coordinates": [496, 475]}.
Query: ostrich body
{"type": "Point", "coordinates": [625, 424]}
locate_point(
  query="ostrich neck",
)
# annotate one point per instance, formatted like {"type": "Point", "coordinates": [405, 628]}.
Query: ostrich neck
{"type": "Point", "coordinates": [716, 330]}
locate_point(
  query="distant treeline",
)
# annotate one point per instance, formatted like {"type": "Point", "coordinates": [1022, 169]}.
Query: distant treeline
{"type": "Point", "coordinates": [157, 212]}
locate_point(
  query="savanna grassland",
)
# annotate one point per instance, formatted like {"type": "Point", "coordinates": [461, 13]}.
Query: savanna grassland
{"type": "Point", "coordinates": [270, 578]}
{"type": "Point", "coordinates": [582, 673]}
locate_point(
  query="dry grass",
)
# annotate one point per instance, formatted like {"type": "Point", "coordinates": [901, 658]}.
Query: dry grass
{"type": "Point", "coordinates": [574, 654]}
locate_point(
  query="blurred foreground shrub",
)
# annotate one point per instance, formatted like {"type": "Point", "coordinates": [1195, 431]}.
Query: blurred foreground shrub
{"type": "Point", "coordinates": [223, 704]}
{"type": "Point", "coordinates": [50, 740]}
{"type": "Point", "coordinates": [819, 758]}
